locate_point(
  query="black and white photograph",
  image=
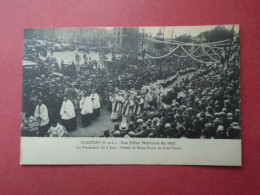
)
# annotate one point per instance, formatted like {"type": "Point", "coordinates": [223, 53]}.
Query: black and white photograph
{"type": "Point", "coordinates": [132, 82]}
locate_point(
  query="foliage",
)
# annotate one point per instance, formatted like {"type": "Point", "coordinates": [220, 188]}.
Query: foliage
{"type": "Point", "coordinates": [184, 38]}
{"type": "Point", "coordinates": [217, 34]}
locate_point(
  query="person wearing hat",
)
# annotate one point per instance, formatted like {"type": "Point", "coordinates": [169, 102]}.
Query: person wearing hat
{"type": "Point", "coordinates": [131, 127]}
{"type": "Point", "coordinates": [168, 131]}
{"type": "Point", "coordinates": [220, 133]}
{"type": "Point", "coordinates": [144, 131]}
{"type": "Point", "coordinates": [68, 115]}
{"type": "Point", "coordinates": [234, 131]}
{"type": "Point", "coordinates": [237, 116]}
{"type": "Point", "coordinates": [131, 133]}
{"type": "Point", "coordinates": [208, 131]}
{"type": "Point", "coordinates": [123, 128]}
{"type": "Point", "coordinates": [149, 122]}
{"type": "Point", "coordinates": [117, 133]}
{"type": "Point", "coordinates": [41, 114]}
{"type": "Point", "coordinates": [224, 119]}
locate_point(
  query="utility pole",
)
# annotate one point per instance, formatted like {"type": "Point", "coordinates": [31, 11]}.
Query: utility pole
{"type": "Point", "coordinates": [163, 32]}
{"type": "Point", "coordinates": [172, 34]}
{"type": "Point", "coordinates": [142, 48]}
{"type": "Point", "coordinates": [172, 37]}
{"type": "Point", "coordinates": [229, 52]}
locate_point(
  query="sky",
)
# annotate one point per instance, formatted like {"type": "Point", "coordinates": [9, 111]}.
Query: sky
{"type": "Point", "coordinates": [179, 30]}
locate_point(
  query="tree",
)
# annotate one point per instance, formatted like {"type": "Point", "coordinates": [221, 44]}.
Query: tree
{"type": "Point", "coordinates": [184, 38]}
{"type": "Point", "coordinates": [217, 34]}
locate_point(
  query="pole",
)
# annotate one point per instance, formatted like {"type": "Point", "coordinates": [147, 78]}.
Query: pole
{"type": "Point", "coordinates": [227, 59]}
{"type": "Point", "coordinates": [142, 42]}
{"type": "Point", "coordinates": [163, 32]}
{"type": "Point", "coordinates": [172, 36]}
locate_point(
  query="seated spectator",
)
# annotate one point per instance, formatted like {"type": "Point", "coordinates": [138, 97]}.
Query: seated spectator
{"type": "Point", "coordinates": [57, 130]}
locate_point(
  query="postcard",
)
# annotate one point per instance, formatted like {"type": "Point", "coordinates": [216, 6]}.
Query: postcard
{"type": "Point", "coordinates": [131, 95]}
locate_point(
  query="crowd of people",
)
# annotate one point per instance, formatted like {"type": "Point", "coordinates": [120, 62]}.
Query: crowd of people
{"type": "Point", "coordinates": [206, 105]}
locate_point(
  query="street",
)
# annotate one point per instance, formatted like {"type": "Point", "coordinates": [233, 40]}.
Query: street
{"type": "Point", "coordinates": [69, 56]}
{"type": "Point", "coordinates": [97, 126]}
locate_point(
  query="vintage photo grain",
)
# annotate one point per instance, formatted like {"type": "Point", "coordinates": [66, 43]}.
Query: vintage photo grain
{"type": "Point", "coordinates": [144, 85]}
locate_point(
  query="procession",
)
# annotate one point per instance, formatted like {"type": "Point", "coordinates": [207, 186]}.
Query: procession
{"type": "Point", "coordinates": [144, 87]}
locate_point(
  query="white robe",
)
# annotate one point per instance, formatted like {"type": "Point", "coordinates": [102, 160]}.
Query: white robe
{"type": "Point", "coordinates": [86, 105]}
{"type": "Point", "coordinates": [158, 94]}
{"type": "Point", "coordinates": [147, 99]}
{"type": "Point", "coordinates": [116, 107]}
{"type": "Point", "coordinates": [42, 113]}
{"type": "Point", "coordinates": [137, 107]}
{"type": "Point", "coordinates": [125, 108]}
{"type": "Point", "coordinates": [67, 110]}
{"type": "Point", "coordinates": [58, 131]}
{"type": "Point", "coordinates": [95, 100]}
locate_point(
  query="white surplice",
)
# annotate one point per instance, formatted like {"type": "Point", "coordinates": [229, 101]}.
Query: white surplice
{"type": "Point", "coordinates": [67, 110]}
{"type": "Point", "coordinates": [42, 113]}
{"type": "Point", "coordinates": [95, 99]}
{"type": "Point", "coordinates": [86, 105]}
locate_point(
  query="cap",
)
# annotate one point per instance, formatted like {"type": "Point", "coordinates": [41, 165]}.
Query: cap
{"type": "Point", "coordinates": [167, 125]}
{"type": "Point", "coordinates": [139, 120]}
{"type": "Point", "coordinates": [123, 127]}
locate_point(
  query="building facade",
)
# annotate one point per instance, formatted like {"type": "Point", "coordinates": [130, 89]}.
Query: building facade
{"type": "Point", "coordinates": [126, 38]}
{"type": "Point", "coordinates": [93, 37]}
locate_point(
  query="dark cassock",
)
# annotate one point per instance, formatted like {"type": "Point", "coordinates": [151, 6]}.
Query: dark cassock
{"type": "Point", "coordinates": [96, 104]}
{"type": "Point", "coordinates": [86, 106]}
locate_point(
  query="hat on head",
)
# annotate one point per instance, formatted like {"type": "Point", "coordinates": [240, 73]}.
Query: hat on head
{"type": "Point", "coordinates": [167, 125]}
{"type": "Point", "coordinates": [116, 133]}
{"type": "Point", "coordinates": [224, 110]}
{"type": "Point", "coordinates": [131, 125]}
{"type": "Point", "coordinates": [235, 125]}
{"type": "Point", "coordinates": [237, 110]}
{"type": "Point", "coordinates": [220, 128]}
{"type": "Point", "coordinates": [149, 122]}
{"type": "Point", "coordinates": [229, 114]}
{"type": "Point", "coordinates": [139, 120]}
{"type": "Point", "coordinates": [144, 126]}
{"type": "Point", "coordinates": [151, 135]}
{"type": "Point", "coordinates": [222, 113]}
{"type": "Point", "coordinates": [208, 125]}
{"type": "Point", "coordinates": [131, 134]}
{"type": "Point", "coordinates": [123, 127]}
{"type": "Point", "coordinates": [156, 119]}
